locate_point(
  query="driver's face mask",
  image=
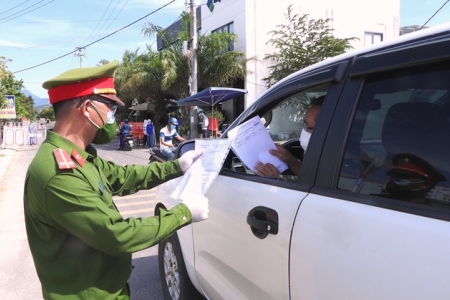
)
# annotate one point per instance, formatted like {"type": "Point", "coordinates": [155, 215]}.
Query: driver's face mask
{"type": "Point", "coordinates": [304, 139]}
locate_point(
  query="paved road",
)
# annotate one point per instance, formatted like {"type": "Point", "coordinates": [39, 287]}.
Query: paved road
{"type": "Point", "coordinates": [18, 279]}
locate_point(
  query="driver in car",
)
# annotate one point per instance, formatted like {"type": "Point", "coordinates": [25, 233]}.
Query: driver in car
{"type": "Point", "coordinates": [309, 121]}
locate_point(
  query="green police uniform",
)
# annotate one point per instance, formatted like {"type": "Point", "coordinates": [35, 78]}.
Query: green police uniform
{"type": "Point", "coordinates": [80, 243]}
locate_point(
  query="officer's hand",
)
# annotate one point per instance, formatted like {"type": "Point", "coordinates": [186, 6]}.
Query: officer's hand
{"type": "Point", "coordinates": [188, 158]}
{"type": "Point", "coordinates": [197, 204]}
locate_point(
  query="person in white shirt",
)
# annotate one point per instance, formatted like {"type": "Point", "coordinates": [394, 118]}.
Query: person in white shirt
{"type": "Point", "coordinates": [144, 127]}
{"type": "Point", "coordinates": [205, 122]}
{"type": "Point", "coordinates": [166, 136]}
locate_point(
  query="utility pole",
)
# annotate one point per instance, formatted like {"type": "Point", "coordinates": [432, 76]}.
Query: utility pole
{"type": "Point", "coordinates": [193, 77]}
{"type": "Point", "coordinates": [80, 53]}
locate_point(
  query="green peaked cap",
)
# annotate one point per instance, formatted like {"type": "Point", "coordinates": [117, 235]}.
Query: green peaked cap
{"type": "Point", "coordinates": [82, 74]}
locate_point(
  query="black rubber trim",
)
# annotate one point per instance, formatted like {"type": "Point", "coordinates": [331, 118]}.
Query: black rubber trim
{"type": "Point", "coordinates": [423, 51]}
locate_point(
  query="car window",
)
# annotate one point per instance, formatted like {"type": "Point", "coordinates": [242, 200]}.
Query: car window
{"type": "Point", "coordinates": [284, 123]}
{"type": "Point", "coordinates": [399, 139]}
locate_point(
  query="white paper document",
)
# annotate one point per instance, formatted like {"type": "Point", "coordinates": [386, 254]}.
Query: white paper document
{"type": "Point", "coordinates": [205, 169]}
{"type": "Point", "coordinates": [251, 142]}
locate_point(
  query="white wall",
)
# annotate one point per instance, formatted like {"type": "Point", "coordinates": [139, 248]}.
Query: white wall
{"type": "Point", "coordinates": [254, 19]}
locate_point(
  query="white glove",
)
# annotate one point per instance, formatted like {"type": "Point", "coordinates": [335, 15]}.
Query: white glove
{"type": "Point", "coordinates": [188, 158]}
{"type": "Point", "coordinates": [198, 205]}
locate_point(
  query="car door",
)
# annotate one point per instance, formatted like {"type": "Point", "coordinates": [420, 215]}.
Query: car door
{"type": "Point", "coordinates": [356, 237]}
{"type": "Point", "coordinates": [242, 249]}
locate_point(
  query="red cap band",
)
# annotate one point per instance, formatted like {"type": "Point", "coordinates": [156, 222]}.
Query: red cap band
{"type": "Point", "coordinates": [79, 89]}
{"type": "Point", "coordinates": [413, 168]}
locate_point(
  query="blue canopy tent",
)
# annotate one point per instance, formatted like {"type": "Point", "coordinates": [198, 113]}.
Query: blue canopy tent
{"type": "Point", "coordinates": [211, 96]}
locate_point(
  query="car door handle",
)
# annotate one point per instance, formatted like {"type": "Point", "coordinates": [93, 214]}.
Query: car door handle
{"type": "Point", "coordinates": [262, 221]}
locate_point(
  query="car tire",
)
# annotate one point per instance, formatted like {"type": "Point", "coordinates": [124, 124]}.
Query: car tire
{"type": "Point", "coordinates": [175, 281]}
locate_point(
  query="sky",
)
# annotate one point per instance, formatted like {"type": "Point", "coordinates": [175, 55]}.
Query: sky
{"type": "Point", "coordinates": [60, 26]}
{"type": "Point", "coordinates": [33, 32]}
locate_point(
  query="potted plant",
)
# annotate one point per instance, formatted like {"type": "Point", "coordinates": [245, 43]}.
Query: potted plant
{"type": "Point", "coordinates": [214, 117]}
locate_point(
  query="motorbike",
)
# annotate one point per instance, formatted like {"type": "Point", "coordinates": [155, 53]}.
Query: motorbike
{"type": "Point", "coordinates": [128, 142]}
{"type": "Point", "coordinates": [156, 155]}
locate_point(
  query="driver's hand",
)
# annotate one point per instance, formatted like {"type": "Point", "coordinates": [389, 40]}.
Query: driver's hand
{"type": "Point", "coordinates": [282, 153]}
{"type": "Point", "coordinates": [266, 170]}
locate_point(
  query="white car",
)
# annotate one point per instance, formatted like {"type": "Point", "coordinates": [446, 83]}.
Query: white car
{"type": "Point", "coordinates": [340, 230]}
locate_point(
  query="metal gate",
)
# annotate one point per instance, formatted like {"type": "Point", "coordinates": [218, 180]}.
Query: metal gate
{"type": "Point", "coordinates": [17, 135]}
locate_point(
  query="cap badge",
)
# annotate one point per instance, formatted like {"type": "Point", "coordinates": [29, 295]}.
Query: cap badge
{"type": "Point", "coordinates": [97, 91]}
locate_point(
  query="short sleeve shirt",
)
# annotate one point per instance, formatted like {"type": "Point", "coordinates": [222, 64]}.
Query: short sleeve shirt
{"type": "Point", "coordinates": [167, 136]}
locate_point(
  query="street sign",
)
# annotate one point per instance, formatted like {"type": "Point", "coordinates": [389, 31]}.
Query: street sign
{"type": "Point", "coordinates": [9, 111]}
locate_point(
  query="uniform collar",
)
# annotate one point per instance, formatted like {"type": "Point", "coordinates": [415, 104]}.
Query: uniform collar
{"type": "Point", "coordinates": [89, 154]}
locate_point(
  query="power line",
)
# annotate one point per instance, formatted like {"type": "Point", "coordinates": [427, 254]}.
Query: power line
{"type": "Point", "coordinates": [25, 12]}
{"type": "Point", "coordinates": [22, 10]}
{"type": "Point", "coordinates": [99, 32]}
{"type": "Point", "coordinates": [434, 14]}
{"type": "Point", "coordinates": [14, 7]}
{"type": "Point", "coordinates": [110, 23]}
{"type": "Point", "coordinates": [101, 19]}
{"type": "Point", "coordinates": [85, 46]}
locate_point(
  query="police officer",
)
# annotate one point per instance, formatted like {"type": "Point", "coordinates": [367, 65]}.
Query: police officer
{"type": "Point", "coordinates": [80, 243]}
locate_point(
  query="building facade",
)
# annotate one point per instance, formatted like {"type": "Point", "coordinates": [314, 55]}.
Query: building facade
{"type": "Point", "coordinates": [252, 20]}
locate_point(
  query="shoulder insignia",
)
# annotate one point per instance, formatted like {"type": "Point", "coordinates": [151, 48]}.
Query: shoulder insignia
{"type": "Point", "coordinates": [63, 159]}
{"type": "Point", "coordinates": [78, 157]}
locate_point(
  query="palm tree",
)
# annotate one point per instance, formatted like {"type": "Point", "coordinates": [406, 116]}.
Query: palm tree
{"type": "Point", "coordinates": [159, 76]}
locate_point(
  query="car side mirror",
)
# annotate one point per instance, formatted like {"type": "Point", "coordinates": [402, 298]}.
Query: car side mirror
{"type": "Point", "coordinates": [184, 147]}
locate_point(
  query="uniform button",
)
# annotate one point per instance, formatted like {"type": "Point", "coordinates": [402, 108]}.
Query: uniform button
{"type": "Point", "coordinates": [184, 219]}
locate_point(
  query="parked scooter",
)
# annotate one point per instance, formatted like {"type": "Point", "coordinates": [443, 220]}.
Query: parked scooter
{"type": "Point", "coordinates": [128, 142]}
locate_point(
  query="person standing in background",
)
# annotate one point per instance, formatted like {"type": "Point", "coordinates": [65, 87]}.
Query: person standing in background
{"type": "Point", "coordinates": [144, 126]}
{"type": "Point", "coordinates": [205, 122]}
{"type": "Point", "coordinates": [149, 131]}
{"type": "Point", "coordinates": [31, 131]}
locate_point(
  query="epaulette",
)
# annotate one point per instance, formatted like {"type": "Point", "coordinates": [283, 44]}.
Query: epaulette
{"type": "Point", "coordinates": [63, 159]}
{"type": "Point", "coordinates": [78, 157]}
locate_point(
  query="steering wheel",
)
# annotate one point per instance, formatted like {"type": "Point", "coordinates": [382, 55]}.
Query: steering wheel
{"type": "Point", "coordinates": [294, 147]}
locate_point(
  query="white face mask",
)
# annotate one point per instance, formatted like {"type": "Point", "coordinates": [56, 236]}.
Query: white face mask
{"type": "Point", "coordinates": [304, 139]}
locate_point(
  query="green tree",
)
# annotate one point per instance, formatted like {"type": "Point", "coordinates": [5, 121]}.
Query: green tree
{"type": "Point", "coordinates": [158, 77]}
{"type": "Point", "coordinates": [9, 85]}
{"type": "Point", "coordinates": [103, 62]}
{"type": "Point", "coordinates": [300, 43]}
{"type": "Point", "coordinates": [139, 77]}
{"type": "Point", "coordinates": [47, 113]}
{"type": "Point", "coordinates": [4, 75]}
{"type": "Point", "coordinates": [25, 107]}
